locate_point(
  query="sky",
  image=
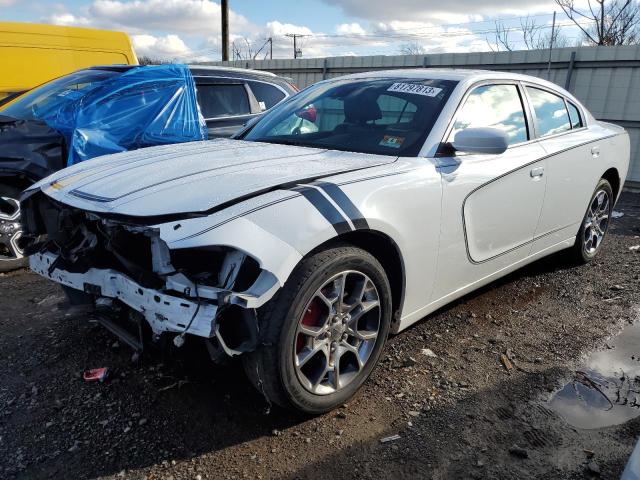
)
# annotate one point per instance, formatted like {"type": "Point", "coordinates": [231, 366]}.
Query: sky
{"type": "Point", "coordinates": [189, 30]}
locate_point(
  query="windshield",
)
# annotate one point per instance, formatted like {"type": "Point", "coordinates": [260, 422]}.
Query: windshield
{"type": "Point", "coordinates": [386, 117]}
{"type": "Point", "coordinates": [46, 98]}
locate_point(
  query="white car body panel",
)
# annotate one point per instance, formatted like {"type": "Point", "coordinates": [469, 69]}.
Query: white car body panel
{"type": "Point", "coordinates": [153, 181]}
{"type": "Point", "coordinates": [493, 226]}
{"type": "Point", "coordinates": [574, 160]}
{"type": "Point", "coordinates": [457, 222]}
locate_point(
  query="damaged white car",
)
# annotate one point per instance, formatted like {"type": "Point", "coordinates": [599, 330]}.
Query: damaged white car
{"type": "Point", "coordinates": [351, 210]}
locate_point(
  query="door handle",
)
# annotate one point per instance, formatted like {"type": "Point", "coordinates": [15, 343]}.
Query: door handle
{"type": "Point", "coordinates": [537, 172]}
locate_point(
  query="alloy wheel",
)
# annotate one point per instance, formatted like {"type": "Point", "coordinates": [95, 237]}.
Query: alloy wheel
{"type": "Point", "coordinates": [337, 332]}
{"type": "Point", "coordinates": [596, 222]}
{"type": "Point", "coordinates": [10, 229]}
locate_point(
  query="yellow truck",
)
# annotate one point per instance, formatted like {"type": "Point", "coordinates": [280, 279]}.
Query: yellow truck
{"type": "Point", "coordinates": [31, 54]}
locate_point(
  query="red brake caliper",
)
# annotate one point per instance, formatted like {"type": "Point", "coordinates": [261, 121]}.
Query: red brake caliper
{"type": "Point", "coordinates": [311, 318]}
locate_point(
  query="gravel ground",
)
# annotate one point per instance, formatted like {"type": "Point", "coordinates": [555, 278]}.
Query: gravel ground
{"type": "Point", "coordinates": [459, 413]}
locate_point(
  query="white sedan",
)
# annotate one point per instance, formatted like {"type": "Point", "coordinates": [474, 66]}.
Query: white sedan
{"type": "Point", "coordinates": [352, 210]}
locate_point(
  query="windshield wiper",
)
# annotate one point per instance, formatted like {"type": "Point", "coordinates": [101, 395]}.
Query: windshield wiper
{"type": "Point", "coordinates": [289, 142]}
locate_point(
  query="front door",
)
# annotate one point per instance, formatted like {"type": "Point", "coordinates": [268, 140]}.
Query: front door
{"type": "Point", "coordinates": [491, 203]}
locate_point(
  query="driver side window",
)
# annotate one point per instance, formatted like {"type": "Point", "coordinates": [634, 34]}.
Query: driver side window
{"type": "Point", "coordinates": [495, 106]}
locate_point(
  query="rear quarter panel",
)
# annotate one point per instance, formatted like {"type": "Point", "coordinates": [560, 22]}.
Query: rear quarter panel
{"type": "Point", "coordinates": [575, 164]}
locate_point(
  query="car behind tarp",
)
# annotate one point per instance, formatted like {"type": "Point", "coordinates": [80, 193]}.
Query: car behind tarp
{"type": "Point", "coordinates": [83, 115]}
{"type": "Point", "coordinates": [141, 107]}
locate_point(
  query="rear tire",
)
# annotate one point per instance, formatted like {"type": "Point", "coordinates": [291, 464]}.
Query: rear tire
{"type": "Point", "coordinates": [347, 335]}
{"type": "Point", "coordinates": [10, 229]}
{"type": "Point", "coordinates": [595, 224]}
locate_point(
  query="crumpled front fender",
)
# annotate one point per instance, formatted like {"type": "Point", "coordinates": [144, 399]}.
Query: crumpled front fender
{"type": "Point", "coordinates": [272, 253]}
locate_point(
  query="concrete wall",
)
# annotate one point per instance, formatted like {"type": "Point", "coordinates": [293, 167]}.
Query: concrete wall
{"type": "Point", "coordinates": [605, 79]}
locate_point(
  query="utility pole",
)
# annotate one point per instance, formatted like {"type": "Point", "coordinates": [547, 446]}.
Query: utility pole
{"type": "Point", "coordinates": [553, 34]}
{"type": "Point", "coordinates": [296, 53]}
{"type": "Point", "coordinates": [270, 48]}
{"type": "Point", "coordinates": [224, 6]}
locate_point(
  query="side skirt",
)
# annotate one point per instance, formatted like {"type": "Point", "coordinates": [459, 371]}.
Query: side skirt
{"type": "Point", "coordinates": [411, 318]}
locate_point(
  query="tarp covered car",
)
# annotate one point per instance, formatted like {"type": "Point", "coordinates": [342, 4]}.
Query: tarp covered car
{"type": "Point", "coordinates": [84, 115]}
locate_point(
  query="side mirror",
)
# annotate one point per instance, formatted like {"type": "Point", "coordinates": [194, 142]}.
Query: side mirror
{"type": "Point", "coordinates": [308, 113]}
{"type": "Point", "coordinates": [488, 141]}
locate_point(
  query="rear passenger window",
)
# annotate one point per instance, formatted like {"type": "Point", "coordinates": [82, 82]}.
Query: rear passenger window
{"type": "Point", "coordinates": [223, 100]}
{"type": "Point", "coordinates": [574, 116]}
{"type": "Point", "coordinates": [551, 112]}
{"type": "Point", "coordinates": [495, 106]}
{"type": "Point", "coordinates": [395, 110]}
{"type": "Point", "coordinates": [266, 93]}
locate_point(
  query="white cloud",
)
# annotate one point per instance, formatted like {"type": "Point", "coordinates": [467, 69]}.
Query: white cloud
{"type": "Point", "coordinates": [350, 29]}
{"type": "Point", "coordinates": [172, 28]}
{"type": "Point", "coordinates": [68, 19]}
{"type": "Point", "coordinates": [317, 44]}
{"type": "Point", "coordinates": [185, 16]}
{"type": "Point", "coordinates": [6, 3]}
{"type": "Point", "coordinates": [432, 37]}
{"type": "Point", "coordinates": [276, 28]}
{"type": "Point", "coordinates": [169, 46]}
{"type": "Point", "coordinates": [444, 12]}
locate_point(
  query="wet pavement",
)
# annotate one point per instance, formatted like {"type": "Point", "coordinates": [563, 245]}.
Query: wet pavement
{"type": "Point", "coordinates": [605, 390]}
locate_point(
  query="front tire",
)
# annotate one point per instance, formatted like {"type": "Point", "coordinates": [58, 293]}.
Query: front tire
{"type": "Point", "coordinates": [595, 224]}
{"type": "Point", "coordinates": [324, 331]}
{"type": "Point", "coordinates": [11, 255]}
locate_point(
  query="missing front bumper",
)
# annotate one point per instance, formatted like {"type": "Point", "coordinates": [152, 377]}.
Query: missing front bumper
{"type": "Point", "coordinates": [163, 313]}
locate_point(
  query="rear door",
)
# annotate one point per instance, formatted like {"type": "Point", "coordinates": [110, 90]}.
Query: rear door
{"type": "Point", "coordinates": [226, 104]}
{"type": "Point", "coordinates": [267, 94]}
{"type": "Point", "coordinates": [491, 203]}
{"type": "Point", "coordinates": [573, 167]}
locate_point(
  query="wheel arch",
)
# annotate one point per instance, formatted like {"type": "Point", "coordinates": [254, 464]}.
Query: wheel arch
{"type": "Point", "coordinates": [15, 180]}
{"type": "Point", "coordinates": [386, 251]}
{"type": "Point", "coordinates": [613, 177]}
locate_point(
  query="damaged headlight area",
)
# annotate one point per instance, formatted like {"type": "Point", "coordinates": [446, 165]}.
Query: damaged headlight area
{"type": "Point", "coordinates": [137, 284]}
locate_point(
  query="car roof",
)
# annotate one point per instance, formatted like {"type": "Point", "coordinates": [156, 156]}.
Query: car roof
{"type": "Point", "coordinates": [466, 76]}
{"type": "Point", "coordinates": [235, 70]}
{"type": "Point", "coordinates": [206, 70]}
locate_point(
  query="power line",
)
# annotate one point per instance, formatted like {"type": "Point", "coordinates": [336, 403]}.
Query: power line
{"type": "Point", "coordinates": [436, 34]}
{"type": "Point", "coordinates": [295, 36]}
{"type": "Point", "coordinates": [490, 20]}
{"type": "Point", "coordinates": [399, 36]}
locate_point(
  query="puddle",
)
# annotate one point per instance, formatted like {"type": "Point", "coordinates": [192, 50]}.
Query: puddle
{"type": "Point", "coordinates": [606, 390]}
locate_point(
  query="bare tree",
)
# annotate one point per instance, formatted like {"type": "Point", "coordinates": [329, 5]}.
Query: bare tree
{"type": "Point", "coordinates": [536, 36]}
{"type": "Point", "coordinates": [146, 60]}
{"type": "Point", "coordinates": [267, 41]}
{"type": "Point", "coordinates": [608, 22]}
{"type": "Point", "coordinates": [412, 48]}
{"type": "Point", "coordinates": [242, 49]}
{"type": "Point", "coordinates": [501, 39]}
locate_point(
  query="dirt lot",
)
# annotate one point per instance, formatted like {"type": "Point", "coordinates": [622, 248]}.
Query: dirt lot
{"type": "Point", "coordinates": [460, 414]}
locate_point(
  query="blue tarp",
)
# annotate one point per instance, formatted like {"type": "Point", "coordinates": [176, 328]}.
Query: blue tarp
{"type": "Point", "coordinates": [142, 107]}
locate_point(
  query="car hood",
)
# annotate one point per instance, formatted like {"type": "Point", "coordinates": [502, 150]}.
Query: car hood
{"type": "Point", "coordinates": [194, 177]}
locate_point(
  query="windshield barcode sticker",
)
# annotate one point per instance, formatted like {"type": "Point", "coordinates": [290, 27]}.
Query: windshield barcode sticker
{"type": "Point", "coordinates": [414, 88]}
